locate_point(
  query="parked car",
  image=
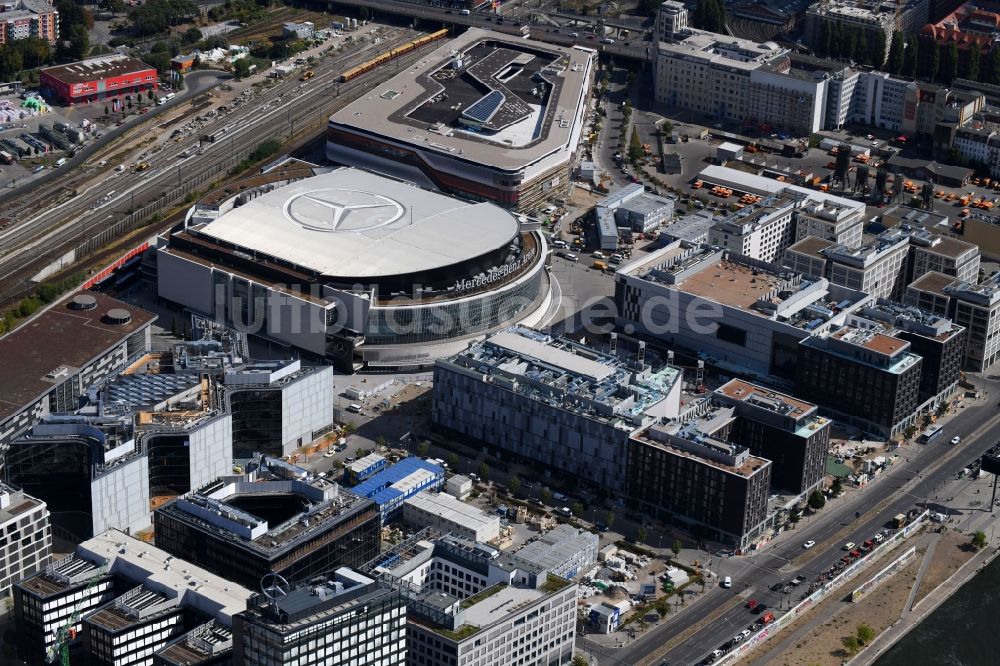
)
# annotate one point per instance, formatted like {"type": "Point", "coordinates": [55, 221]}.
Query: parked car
{"type": "Point", "coordinates": [727, 582]}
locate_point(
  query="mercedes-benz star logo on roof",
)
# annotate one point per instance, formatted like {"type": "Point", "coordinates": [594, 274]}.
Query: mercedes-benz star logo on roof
{"type": "Point", "coordinates": [342, 210]}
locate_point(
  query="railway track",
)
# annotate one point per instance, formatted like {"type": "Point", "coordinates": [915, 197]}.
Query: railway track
{"type": "Point", "coordinates": [288, 111]}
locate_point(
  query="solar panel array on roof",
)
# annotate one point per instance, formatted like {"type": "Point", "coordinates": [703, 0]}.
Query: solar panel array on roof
{"type": "Point", "coordinates": [485, 107]}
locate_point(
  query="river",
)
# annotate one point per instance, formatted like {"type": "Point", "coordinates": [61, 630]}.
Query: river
{"type": "Point", "coordinates": [955, 634]}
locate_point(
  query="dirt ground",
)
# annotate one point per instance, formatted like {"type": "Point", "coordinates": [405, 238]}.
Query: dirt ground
{"type": "Point", "coordinates": [951, 553]}
{"type": "Point", "coordinates": [822, 645]}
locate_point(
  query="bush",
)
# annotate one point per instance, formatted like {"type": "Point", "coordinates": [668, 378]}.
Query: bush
{"type": "Point", "coordinates": [265, 148]}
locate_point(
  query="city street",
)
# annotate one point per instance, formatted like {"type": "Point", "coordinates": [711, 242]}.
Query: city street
{"type": "Point", "coordinates": [926, 473]}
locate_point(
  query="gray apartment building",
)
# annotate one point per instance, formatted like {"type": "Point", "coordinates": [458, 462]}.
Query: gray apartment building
{"type": "Point", "coordinates": [760, 231]}
{"type": "Point", "coordinates": [937, 340]}
{"type": "Point", "coordinates": [468, 604]}
{"type": "Point", "coordinates": [781, 428]}
{"type": "Point", "coordinates": [552, 401]}
{"type": "Point", "coordinates": [690, 475]}
{"type": "Point", "coordinates": [87, 338]}
{"type": "Point", "coordinates": [974, 307]}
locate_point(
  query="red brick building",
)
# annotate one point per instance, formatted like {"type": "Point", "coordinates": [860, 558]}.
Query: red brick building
{"type": "Point", "coordinates": [96, 79]}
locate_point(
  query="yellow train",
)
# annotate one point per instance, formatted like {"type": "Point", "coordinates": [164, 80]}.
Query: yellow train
{"type": "Point", "coordinates": [388, 56]}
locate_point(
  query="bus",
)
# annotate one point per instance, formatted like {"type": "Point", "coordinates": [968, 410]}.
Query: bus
{"type": "Point", "coordinates": [931, 433]}
{"type": "Point", "coordinates": [6, 157]}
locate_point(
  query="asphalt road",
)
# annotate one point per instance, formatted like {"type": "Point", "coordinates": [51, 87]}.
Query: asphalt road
{"type": "Point", "coordinates": [908, 484]}
{"type": "Point", "coordinates": [642, 51]}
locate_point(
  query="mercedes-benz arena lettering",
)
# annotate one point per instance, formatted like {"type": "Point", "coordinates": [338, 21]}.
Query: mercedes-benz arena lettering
{"type": "Point", "coordinates": [355, 268]}
{"type": "Point", "coordinates": [488, 116]}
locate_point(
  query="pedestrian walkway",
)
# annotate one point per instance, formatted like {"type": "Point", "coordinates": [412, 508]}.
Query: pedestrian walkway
{"type": "Point", "coordinates": [927, 605]}
{"type": "Point", "coordinates": [928, 557]}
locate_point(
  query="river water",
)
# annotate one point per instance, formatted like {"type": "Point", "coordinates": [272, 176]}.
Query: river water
{"type": "Point", "coordinates": [960, 632]}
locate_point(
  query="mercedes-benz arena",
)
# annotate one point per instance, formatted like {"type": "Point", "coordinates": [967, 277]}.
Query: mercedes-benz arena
{"type": "Point", "coordinates": [353, 267]}
{"type": "Point", "coordinates": [488, 116]}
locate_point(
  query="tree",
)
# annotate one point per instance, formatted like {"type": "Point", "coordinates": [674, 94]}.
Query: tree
{"type": "Point", "coordinates": [546, 495]}
{"type": "Point", "coordinates": [241, 68]}
{"type": "Point", "coordinates": [894, 63]}
{"type": "Point", "coordinates": [934, 65]}
{"type": "Point", "coordinates": [422, 448]}
{"type": "Point", "coordinates": [609, 519]}
{"type": "Point", "coordinates": [973, 62]}
{"type": "Point", "coordinates": [911, 58]}
{"type": "Point", "coordinates": [580, 660]}
{"type": "Point", "coordinates": [107, 110]}
{"type": "Point", "coordinates": [381, 441]}
{"type": "Point", "coordinates": [640, 535]}
{"type": "Point", "coordinates": [484, 471]}
{"type": "Point", "coordinates": [635, 151]}
{"type": "Point", "coordinates": [876, 55]}
{"type": "Point", "coordinates": [837, 486]}
{"type": "Point", "coordinates": [676, 547]}
{"type": "Point", "coordinates": [192, 35]}
{"type": "Point", "coordinates": [577, 509]}
{"type": "Point", "coordinates": [816, 500]}
{"type": "Point", "coordinates": [514, 484]}
{"type": "Point", "coordinates": [453, 460]}
{"type": "Point", "coordinates": [851, 644]}
{"type": "Point", "coordinates": [979, 540]}
{"type": "Point", "coordinates": [992, 74]}
{"type": "Point", "coordinates": [79, 42]}
{"type": "Point", "coordinates": [865, 634]}
{"type": "Point", "coordinates": [949, 64]}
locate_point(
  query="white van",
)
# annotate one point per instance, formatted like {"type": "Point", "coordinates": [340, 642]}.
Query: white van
{"type": "Point", "coordinates": [60, 162]}
{"type": "Point", "coordinates": [727, 581]}
{"type": "Point", "coordinates": [465, 12]}
{"type": "Point", "coordinates": [607, 40]}
{"type": "Point", "coordinates": [355, 408]}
